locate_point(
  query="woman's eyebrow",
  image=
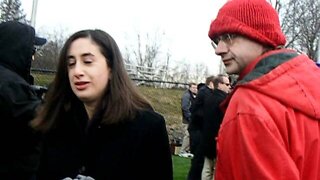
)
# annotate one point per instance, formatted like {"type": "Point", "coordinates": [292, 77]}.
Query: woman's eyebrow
{"type": "Point", "coordinates": [82, 55]}
{"type": "Point", "coordinates": [86, 54]}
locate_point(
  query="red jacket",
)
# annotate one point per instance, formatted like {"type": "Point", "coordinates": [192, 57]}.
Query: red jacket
{"type": "Point", "coordinates": [271, 128]}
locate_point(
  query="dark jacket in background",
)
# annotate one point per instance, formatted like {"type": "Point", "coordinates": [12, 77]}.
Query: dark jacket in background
{"type": "Point", "coordinates": [213, 116]}
{"type": "Point", "coordinates": [136, 150]}
{"type": "Point", "coordinates": [20, 151]}
{"type": "Point", "coordinates": [198, 107]}
{"type": "Point", "coordinates": [195, 131]}
{"type": "Point", "coordinates": [186, 102]}
{"type": "Point", "coordinates": [196, 124]}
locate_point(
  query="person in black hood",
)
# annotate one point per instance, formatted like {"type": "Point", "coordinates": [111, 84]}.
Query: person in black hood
{"type": "Point", "coordinates": [20, 145]}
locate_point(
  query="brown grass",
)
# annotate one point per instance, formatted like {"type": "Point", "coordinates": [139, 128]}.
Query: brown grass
{"type": "Point", "coordinates": [165, 101]}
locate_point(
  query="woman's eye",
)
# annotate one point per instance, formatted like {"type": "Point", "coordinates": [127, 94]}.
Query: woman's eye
{"type": "Point", "coordinates": [87, 61]}
{"type": "Point", "coordinates": [71, 63]}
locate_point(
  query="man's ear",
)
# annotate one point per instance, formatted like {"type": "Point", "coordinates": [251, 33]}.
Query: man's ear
{"type": "Point", "coordinates": [211, 85]}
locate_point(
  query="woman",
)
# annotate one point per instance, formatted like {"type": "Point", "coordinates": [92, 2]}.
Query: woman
{"type": "Point", "coordinates": [95, 122]}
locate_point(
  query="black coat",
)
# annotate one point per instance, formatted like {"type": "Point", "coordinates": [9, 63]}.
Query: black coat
{"type": "Point", "coordinates": [19, 154]}
{"type": "Point", "coordinates": [135, 150]}
{"type": "Point", "coordinates": [186, 103]}
{"type": "Point", "coordinates": [211, 122]}
{"type": "Point", "coordinates": [197, 108]}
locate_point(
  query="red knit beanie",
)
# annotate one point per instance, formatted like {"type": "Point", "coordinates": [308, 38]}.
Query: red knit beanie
{"type": "Point", "coordinates": [255, 19]}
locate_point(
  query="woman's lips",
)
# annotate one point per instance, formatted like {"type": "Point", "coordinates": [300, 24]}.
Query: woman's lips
{"type": "Point", "coordinates": [81, 85]}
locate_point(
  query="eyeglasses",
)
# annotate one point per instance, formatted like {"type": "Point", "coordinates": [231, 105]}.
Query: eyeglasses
{"type": "Point", "coordinates": [225, 38]}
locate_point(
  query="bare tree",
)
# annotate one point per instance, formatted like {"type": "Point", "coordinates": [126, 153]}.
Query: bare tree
{"type": "Point", "coordinates": [148, 56]}
{"type": "Point", "coordinates": [147, 50]}
{"type": "Point", "coordinates": [10, 10]}
{"type": "Point", "coordinates": [166, 66]}
{"type": "Point", "coordinates": [276, 4]}
{"type": "Point", "coordinates": [301, 24]}
{"type": "Point", "coordinates": [47, 56]}
{"type": "Point", "coordinates": [200, 72]}
{"type": "Point", "coordinates": [127, 56]}
{"type": "Point", "coordinates": [184, 74]}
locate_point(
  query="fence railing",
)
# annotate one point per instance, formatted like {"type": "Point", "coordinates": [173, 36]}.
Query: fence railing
{"type": "Point", "coordinates": [142, 72]}
{"type": "Point", "coordinates": [165, 96]}
{"type": "Point", "coordinates": [43, 77]}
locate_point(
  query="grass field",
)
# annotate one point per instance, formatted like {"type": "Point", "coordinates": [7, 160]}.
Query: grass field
{"type": "Point", "coordinates": [181, 167]}
{"type": "Point", "coordinates": [165, 101]}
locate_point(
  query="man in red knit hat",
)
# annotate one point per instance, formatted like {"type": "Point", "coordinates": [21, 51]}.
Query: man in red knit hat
{"type": "Point", "coordinates": [271, 126]}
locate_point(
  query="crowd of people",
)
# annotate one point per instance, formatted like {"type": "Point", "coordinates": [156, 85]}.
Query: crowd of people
{"type": "Point", "coordinates": [93, 123]}
{"type": "Point", "coordinates": [203, 126]}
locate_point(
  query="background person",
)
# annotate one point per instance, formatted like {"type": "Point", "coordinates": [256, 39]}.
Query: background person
{"type": "Point", "coordinates": [20, 145]}
{"type": "Point", "coordinates": [186, 103]}
{"type": "Point", "coordinates": [195, 129]}
{"type": "Point", "coordinates": [212, 118]}
{"type": "Point", "coordinates": [95, 121]}
{"type": "Point", "coordinates": [271, 126]}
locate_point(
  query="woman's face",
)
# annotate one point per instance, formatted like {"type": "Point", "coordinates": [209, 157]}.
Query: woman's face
{"type": "Point", "coordinates": [87, 70]}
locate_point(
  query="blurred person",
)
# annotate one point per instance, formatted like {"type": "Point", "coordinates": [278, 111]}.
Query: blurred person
{"type": "Point", "coordinates": [186, 102]}
{"type": "Point", "coordinates": [271, 125]}
{"type": "Point", "coordinates": [200, 85]}
{"type": "Point", "coordinates": [212, 118]}
{"type": "Point", "coordinates": [195, 129]}
{"type": "Point", "coordinates": [20, 145]}
{"type": "Point", "coordinates": [96, 123]}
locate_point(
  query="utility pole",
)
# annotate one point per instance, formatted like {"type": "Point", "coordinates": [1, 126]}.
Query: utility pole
{"type": "Point", "coordinates": [34, 13]}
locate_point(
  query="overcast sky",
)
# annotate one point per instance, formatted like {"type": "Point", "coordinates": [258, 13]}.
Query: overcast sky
{"type": "Point", "coordinates": [181, 25]}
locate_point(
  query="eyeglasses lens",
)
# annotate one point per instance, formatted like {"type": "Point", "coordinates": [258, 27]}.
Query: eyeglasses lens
{"type": "Point", "coordinates": [226, 38]}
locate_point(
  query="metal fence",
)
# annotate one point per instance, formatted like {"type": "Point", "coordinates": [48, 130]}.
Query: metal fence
{"type": "Point", "coordinates": [164, 96]}
{"type": "Point", "coordinates": [43, 77]}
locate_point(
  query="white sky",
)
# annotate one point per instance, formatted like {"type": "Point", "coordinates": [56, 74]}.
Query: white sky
{"type": "Point", "coordinates": [184, 24]}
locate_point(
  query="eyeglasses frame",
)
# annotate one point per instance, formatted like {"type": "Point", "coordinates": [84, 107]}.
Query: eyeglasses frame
{"type": "Point", "coordinates": [225, 38]}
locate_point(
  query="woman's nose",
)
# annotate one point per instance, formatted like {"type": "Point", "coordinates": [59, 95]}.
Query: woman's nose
{"type": "Point", "coordinates": [78, 69]}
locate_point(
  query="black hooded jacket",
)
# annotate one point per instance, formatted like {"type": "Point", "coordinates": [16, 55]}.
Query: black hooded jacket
{"type": "Point", "coordinates": [19, 155]}
{"type": "Point", "coordinates": [16, 47]}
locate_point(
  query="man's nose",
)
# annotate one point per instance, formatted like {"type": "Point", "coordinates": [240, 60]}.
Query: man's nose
{"type": "Point", "coordinates": [221, 48]}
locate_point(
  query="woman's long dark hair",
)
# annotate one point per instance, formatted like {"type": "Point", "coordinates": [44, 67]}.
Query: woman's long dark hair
{"type": "Point", "coordinates": [121, 100]}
